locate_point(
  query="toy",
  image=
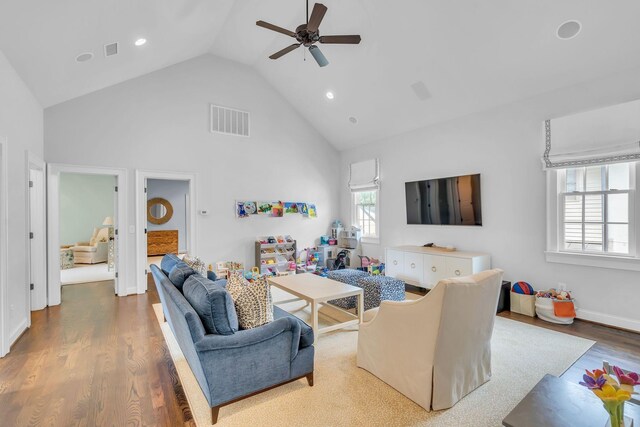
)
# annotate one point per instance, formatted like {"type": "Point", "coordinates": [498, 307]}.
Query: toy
{"type": "Point", "coordinates": [324, 240]}
{"type": "Point", "coordinates": [522, 288]}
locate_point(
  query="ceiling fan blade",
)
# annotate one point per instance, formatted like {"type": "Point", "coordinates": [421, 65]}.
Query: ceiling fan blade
{"type": "Point", "coordinates": [318, 56]}
{"type": "Point", "coordinates": [284, 51]}
{"type": "Point", "coordinates": [316, 17]}
{"type": "Point", "coordinates": [340, 39]}
{"type": "Point", "coordinates": [275, 28]}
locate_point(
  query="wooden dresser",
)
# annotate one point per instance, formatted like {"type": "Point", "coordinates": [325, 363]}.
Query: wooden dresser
{"type": "Point", "coordinates": [162, 242]}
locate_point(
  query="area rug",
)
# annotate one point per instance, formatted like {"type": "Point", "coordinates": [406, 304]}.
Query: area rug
{"type": "Point", "coordinates": [83, 273]}
{"type": "Point", "coordinates": [345, 395]}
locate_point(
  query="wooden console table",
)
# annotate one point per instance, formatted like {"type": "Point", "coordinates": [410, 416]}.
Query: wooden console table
{"type": "Point", "coordinates": [162, 242]}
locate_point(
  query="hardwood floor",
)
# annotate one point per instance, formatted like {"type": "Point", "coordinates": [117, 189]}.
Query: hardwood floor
{"type": "Point", "coordinates": [98, 359]}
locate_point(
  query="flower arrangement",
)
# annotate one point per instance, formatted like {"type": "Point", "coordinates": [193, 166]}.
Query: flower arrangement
{"type": "Point", "coordinates": [612, 391]}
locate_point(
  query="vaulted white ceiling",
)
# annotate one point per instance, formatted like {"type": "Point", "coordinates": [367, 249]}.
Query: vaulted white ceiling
{"type": "Point", "coordinates": [471, 54]}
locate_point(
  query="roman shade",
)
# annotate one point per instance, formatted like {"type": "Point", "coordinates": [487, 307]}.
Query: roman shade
{"type": "Point", "coordinates": [364, 175]}
{"type": "Point", "coordinates": [605, 135]}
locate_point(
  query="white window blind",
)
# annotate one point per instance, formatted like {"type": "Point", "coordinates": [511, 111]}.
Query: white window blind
{"type": "Point", "coordinates": [603, 136]}
{"type": "Point", "coordinates": [364, 175]}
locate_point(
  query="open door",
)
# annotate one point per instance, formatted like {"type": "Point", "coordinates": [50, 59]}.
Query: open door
{"type": "Point", "coordinates": [37, 240]}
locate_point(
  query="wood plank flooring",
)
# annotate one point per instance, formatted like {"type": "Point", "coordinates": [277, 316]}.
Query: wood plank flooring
{"type": "Point", "coordinates": [95, 360]}
{"type": "Point", "coordinates": [98, 359]}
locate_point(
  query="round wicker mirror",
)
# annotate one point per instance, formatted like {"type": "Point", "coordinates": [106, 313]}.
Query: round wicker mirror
{"type": "Point", "coordinates": [159, 210]}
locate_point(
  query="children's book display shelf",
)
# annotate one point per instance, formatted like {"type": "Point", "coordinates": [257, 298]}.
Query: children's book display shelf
{"type": "Point", "coordinates": [276, 255]}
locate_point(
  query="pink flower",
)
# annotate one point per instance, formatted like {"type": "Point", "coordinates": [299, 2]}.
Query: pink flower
{"type": "Point", "coordinates": [629, 379]}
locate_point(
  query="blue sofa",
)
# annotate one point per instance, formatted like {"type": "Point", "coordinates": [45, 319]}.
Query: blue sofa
{"type": "Point", "coordinates": [231, 364]}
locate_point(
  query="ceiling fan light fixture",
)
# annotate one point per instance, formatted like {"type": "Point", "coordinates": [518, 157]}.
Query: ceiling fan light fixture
{"type": "Point", "coordinates": [330, 95]}
{"type": "Point", "coordinates": [318, 56]}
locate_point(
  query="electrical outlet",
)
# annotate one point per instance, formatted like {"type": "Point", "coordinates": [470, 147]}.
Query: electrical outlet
{"type": "Point", "coordinates": [12, 307]}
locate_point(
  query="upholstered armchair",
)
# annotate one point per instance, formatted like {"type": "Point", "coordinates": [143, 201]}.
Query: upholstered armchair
{"type": "Point", "coordinates": [437, 349]}
{"type": "Point", "coordinates": [94, 251]}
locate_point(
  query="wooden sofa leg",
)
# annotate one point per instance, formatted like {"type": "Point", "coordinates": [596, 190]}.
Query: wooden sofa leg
{"type": "Point", "coordinates": [310, 379]}
{"type": "Point", "coordinates": [214, 414]}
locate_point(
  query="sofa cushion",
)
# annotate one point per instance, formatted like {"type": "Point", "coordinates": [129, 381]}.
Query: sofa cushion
{"type": "Point", "coordinates": [180, 273]}
{"type": "Point", "coordinates": [85, 248]}
{"type": "Point", "coordinates": [167, 263]}
{"type": "Point", "coordinates": [306, 332]}
{"type": "Point", "coordinates": [252, 300]}
{"type": "Point", "coordinates": [213, 304]}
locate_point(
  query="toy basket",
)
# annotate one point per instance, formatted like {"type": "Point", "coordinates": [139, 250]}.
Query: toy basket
{"type": "Point", "coordinates": [546, 311]}
{"type": "Point", "coordinates": [523, 304]}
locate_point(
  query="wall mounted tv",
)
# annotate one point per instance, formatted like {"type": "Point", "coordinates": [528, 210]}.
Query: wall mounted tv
{"type": "Point", "coordinates": [445, 201]}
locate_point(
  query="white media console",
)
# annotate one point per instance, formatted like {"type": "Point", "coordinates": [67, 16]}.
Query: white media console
{"type": "Point", "coordinates": [424, 267]}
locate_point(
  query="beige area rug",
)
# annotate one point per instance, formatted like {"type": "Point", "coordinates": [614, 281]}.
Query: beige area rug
{"type": "Point", "coordinates": [83, 273]}
{"type": "Point", "coordinates": [345, 395]}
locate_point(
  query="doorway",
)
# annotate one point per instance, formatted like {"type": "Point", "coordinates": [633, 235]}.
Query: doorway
{"type": "Point", "coordinates": [165, 214]}
{"type": "Point", "coordinates": [87, 207]}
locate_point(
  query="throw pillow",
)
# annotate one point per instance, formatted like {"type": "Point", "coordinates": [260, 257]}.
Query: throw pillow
{"type": "Point", "coordinates": [213, 304]}
{"type": "Point", "coordinates": [197, 264]}
{"type": "Point", "coordinates": [253, 301]}
{"type": "Point", "coordinates": [179, 274]}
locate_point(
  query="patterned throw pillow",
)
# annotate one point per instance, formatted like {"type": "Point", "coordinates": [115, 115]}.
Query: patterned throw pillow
{"type": "Point", "coordinates": [253, 301]}
{"type": "Point", "coordinates": [197, 264]}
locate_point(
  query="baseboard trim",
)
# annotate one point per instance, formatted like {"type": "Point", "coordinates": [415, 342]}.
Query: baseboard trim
{"type": "Point", "coordinates": [609, 320]}
{"type": "Point", "coordinates": [17, 332]}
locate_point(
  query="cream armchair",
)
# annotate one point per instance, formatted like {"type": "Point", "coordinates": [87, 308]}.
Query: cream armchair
{"type": "Point", "coordinates": [94, 251]}
{"type": "Point", "coordinates": [436, 349]}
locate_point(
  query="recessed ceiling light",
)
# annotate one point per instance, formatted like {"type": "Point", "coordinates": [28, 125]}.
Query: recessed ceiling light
{"type": "Point", "coordinates": [84, 57]}
{"type": "Point", "coordinates": [330, 95]}
{"type": "Point", "coordinates": [140, 42]}
{"type": "Point", "coordinates": [353, 120]}
{"type": "Point", "coordinates": [568, 30]}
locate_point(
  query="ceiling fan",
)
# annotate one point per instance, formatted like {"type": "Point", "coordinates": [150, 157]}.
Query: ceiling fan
{"type": "Point", "coordinates": [308, 34]}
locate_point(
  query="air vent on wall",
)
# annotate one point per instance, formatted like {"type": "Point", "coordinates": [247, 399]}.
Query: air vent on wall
{"type": "Point", "coordinates": [229, 121]}
{"type": "Point", "coordinates": [111, 49]}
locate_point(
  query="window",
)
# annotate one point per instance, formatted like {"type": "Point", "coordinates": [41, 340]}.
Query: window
{"type": "Point", "coordinates": [365, 213]}
{"type": "Point", "coordinates": [595, 209]}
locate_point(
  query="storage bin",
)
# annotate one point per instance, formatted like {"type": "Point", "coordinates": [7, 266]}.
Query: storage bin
{"type": "Point", "coordinates": [523, 304]}
{"type": "Point", "coordinates": [545, 311]}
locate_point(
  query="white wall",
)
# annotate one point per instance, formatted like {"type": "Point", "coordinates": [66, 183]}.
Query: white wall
{"type": "Point", "coordinates": [505, 146]}
{"type": "Point", "coordinates": [21, 122]}
{"type": "Point", "coordinates": [174, 192]}
{"type": "Point", "coordinates": [160, 121]}
{"type": "Point", "coordinates": [85, 202]}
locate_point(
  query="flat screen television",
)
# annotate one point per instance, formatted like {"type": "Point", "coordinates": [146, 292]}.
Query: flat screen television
{"type": "Point", "coordinates": [445, 201]}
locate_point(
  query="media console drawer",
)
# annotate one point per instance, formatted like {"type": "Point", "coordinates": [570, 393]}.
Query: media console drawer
{"type": "Point", "coordinates": [424, 267]}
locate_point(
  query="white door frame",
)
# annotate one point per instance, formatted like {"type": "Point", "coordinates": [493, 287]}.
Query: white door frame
{"type": "Point", "coordinates": [4, 248]}
{"type": "Point", "coordinates": [141, 218]}
{"type": "Point", "coordinates": [37, 299]}
{"type": "Point", "coordinates": [120, 224]}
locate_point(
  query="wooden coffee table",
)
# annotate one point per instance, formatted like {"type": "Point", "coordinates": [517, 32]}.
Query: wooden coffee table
{"type": "Point", "coordinates": [555, 402]}
{"type": "Point", "coordinates": [317, 291]}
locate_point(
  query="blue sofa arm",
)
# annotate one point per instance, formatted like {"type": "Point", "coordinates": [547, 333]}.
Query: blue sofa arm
{"type": "Point", "coordinates": [248, 361]}
{"type": "Point", "coordinates": [249, 337]}
{"type": "Point", "coordinates": [211, 276]}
